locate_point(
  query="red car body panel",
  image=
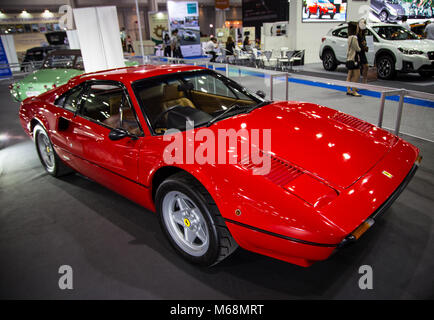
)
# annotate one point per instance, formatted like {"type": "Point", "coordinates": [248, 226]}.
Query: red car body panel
{"type": "Point", "coordinates": [341, 161]}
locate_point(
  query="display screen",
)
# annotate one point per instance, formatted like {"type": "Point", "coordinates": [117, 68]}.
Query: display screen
{"type": "Point", "coordinates": [324, 10]}
{"type": "Point", "coordinates": [184, 17]}
{"type": "Point", "coordinates": [394, 10]}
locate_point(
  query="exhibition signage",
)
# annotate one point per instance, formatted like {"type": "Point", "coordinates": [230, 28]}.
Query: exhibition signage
{"type": "Point", "coordinates": [222, 4]}
{"type": "Point", "coordinates": [184, 17]}
{"type": "Point", "coordinates": [5, 71]}
{"type": "Point", "coordinates": [158, 25]}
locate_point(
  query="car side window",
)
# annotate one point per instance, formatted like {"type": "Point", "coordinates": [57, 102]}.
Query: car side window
{"type": "Point", "coordinates": [109, 105]}
{"type": "Point", "coordinates": [70, 99]}
{"type": "Point", "coordinates": [341, 33]}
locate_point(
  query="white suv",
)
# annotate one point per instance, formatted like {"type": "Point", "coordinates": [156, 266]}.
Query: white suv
{"type": "Point", "coordinates": [395, 49]}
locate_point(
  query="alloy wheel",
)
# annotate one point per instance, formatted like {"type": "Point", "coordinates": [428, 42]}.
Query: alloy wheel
{"type": "Point", "coordinates": [185, 223]}
{"type": "Point", "coordinates": [46, 151]}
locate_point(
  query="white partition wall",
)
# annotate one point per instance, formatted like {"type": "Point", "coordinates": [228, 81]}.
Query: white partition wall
{"type": "Point", "coordinates": [98, 33]}
{"type": "Point", "coordinates": [74, 42]}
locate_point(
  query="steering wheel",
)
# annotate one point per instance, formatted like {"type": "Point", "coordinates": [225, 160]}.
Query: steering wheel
{"type": "Point", "coordinates": [161, 115]}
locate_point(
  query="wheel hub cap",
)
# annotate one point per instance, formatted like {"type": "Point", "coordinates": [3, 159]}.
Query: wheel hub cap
{"type": "Point", "coordinates": [185, 223]}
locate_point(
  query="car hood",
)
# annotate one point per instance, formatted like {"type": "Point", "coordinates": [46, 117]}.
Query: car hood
{"type": "Point", "coordinates": [424, 45]}
{"type": "Point", "coordinates": [330, 145]}
{"type": "Point", "coordinates": [49, 76]}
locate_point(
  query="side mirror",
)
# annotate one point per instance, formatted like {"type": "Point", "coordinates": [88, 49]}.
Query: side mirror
{"type": "Point", "coordinates": [260, 93]}
{"type": "Point", "coordinates": [118, 134]}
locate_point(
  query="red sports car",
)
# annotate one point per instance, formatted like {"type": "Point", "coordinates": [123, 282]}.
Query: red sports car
{"type": "Point", "coordinates": [329, 175]}
{"type": "Point", "coordinates": [320, 8]}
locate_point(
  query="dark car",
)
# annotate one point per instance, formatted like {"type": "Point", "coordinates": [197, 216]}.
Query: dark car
{"type": "Point", "coordinates": [388, 10]}
{"type": "Point", "coordinates": [36, 54]}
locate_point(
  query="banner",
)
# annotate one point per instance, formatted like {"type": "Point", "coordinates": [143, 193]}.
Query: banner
{"type": "Point", "coordinates": [184, 17]}
{"type": "Point", "coordinates": [4, 72]}
{"type": "Point", "coordinates": [158, 24]}
{"type": "Point", "coordinates": [222, 4]}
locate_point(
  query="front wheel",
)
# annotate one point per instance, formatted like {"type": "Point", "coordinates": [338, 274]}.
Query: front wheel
{"type": "Point", "coordinates": [192, 222]}
{"type": "Point", "coordinates": [386, 67]}
{"type": "Point", "coordinates": [47, 155]}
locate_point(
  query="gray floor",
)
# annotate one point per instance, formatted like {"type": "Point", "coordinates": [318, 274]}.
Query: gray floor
{"type": "Point", "coordinates": [117, 251]}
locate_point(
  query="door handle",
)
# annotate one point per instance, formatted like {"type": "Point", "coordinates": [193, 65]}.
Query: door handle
{"type": "Point", "coordinates": [63, 124]}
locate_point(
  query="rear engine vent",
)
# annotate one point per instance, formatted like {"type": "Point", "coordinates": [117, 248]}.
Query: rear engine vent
{"type": "Point", "coordinates": [352, 122]}
{"type": "Point", "coordinates": [280, 172]}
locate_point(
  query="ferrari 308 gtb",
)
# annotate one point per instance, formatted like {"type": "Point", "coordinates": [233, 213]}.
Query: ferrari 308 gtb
{"type": "Point", "coordinates": [138, 131]}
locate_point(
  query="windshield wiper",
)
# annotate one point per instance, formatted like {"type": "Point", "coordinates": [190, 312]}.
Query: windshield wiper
{"type": "Point", "coordinates": [221, 115]}
{"type": "Point", "coordinates": [261, 104]}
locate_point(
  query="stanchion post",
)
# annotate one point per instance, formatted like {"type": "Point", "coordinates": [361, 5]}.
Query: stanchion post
{"type": "Point", "coordinates": [399, 114]}
{"type": "Point", "coordinates": [381, 113]}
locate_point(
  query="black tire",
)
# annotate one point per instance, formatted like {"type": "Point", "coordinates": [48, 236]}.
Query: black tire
{"type": "Point", "coordinates": [386, 67]}
{"type": "Point", "coordinates": [56, 167]}
{"type": "Point", "coordinates": [332, 16]}
{"type": "Point", "coordinates": [318, 13]}
{"type": "Point", "coordinates": [329, 61]}
{"type": "Point", "coordinates": [426, 74]}
{"type": "Point", "coordinates": [384, 16]}
{"type": "Point", "coordinates": [221, 243]}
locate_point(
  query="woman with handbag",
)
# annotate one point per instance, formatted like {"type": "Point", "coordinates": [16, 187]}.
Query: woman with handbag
{"type": "Point", "coordinates": [353, 60]}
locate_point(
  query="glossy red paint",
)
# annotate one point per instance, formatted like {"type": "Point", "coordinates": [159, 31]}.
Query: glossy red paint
{"type": "Point", "coordinates": [322, 7]}
{"type": "Point", "coordinates": [341, 161]}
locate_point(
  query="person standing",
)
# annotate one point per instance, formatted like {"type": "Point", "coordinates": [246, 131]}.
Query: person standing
{"type": "Point", "coordinates": [230, 46]}
{"type": "Point", "coordinates": [405, 24]}
{"type": "Point", "coordinates": [246, 44]}
{"type": "Point", "coordinates": [361, 39]}
{"type": "Point", "coordinates": [167, 45]}
{"type": "Point", "coordinates": [429, 30]}
{"type": "Point", "coordinates": [211, 48]}
{"type": "Point", "coordinates": [176, 44]}
{"type": "Point", "coordinates": [352, 63]}
{"type": "Point", "coordinates": [129, 43]}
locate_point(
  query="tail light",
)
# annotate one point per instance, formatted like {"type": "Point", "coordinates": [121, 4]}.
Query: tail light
{"type": "Point", "coordinates": [323, 39]}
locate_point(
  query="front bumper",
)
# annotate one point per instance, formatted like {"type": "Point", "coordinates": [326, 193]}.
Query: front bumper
{"type": "Point", "coordinates": [415, 63]}
{"type": "Point", "coordinates": [353, 236]}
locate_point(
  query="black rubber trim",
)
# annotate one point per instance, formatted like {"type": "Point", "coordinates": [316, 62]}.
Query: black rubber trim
{"type": "Point", "coordinates": [97, 165]}
{"type": "Point", "coordinates": [386, 205]}
{"type": "Point", "coordinates": [280, 235]}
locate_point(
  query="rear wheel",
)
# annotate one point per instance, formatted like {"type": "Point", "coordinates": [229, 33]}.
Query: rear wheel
{"type": "Point", "coordinates": [47, 155]}
{"type": "Point", "coordinates": [192, 222]}
{"type": "Point", "coordinates": [386, 67]}
{"type": "Point", "coordinates": [329, 60]}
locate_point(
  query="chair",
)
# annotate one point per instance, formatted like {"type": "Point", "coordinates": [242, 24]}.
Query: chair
{"type": "Point", "coordinates": [296, 57]}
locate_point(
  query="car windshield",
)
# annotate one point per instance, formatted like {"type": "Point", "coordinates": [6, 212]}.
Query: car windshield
{"type": "Point", "coordinates": [63, 61]}
{"type": "Point", "coordinates": [323, 1]}
{"type": "Point", "coordinates": [394, 1]}
{"type": "Point", "coordinates": [394, 33]}
{"type": "Point", "coordinates": [204, 95]}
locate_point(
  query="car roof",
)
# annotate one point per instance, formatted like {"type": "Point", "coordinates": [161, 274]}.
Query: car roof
{"type": "Point", "coordinates": [371, 24]}
{"type": "Point", "coordinates": [134, 73]}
